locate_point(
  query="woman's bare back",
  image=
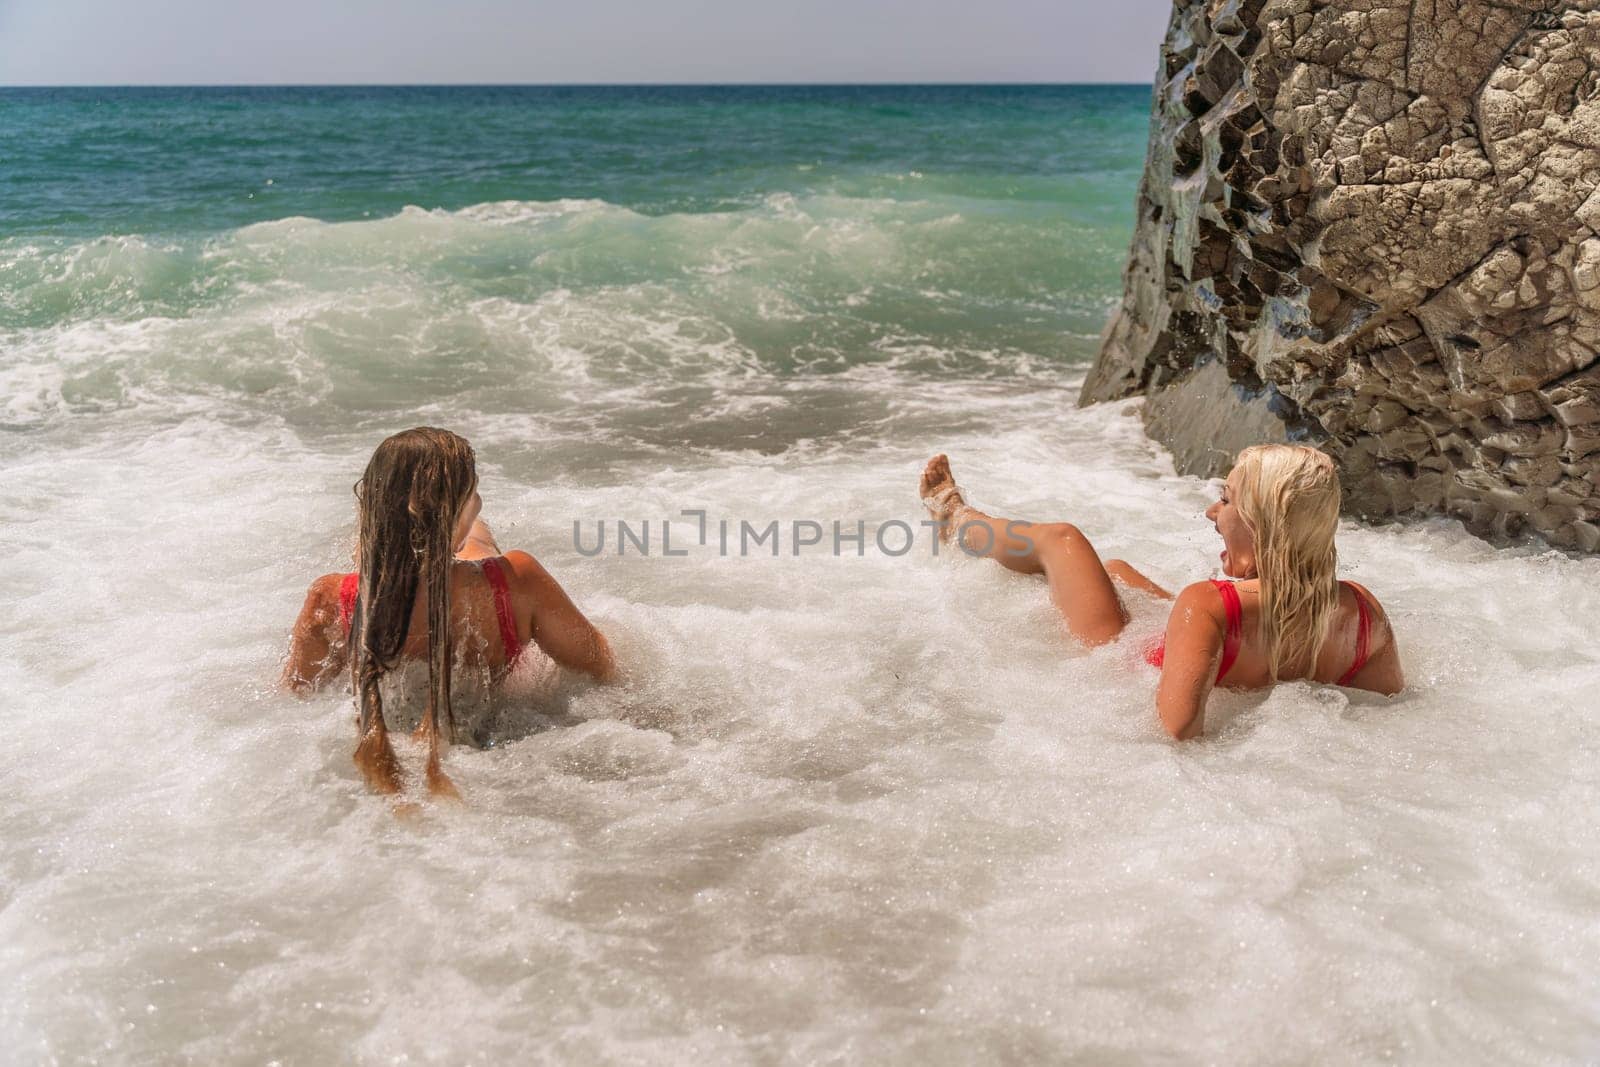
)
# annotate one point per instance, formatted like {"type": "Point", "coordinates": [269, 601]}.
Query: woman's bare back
{"type": "Point", "coordinates": [1340, 647]}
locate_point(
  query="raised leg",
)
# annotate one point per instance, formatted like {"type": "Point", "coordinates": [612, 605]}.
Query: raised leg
{"type": "Point", "coordinates": [1080, 588]}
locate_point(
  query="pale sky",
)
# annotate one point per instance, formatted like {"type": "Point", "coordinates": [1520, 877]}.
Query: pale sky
{"type": "Point", "coordinates": [211, 42]}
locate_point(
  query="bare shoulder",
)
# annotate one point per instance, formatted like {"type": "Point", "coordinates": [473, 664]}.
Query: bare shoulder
{"type": "Point", "coordinates": [1380, 616]}
{"type": "Point", "coordinates": [1199, 600]}
{"type": "Point", "coordinates": [322, 597]}
{"type": "Point", "coordinates": [529, 578]}
{"type": "Point", "coordinates": [523, 566]}
{"type": "Point", "coordinates": [1366, 594]}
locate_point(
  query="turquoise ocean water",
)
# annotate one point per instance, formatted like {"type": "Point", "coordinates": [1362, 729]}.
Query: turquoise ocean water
{"type": "Point", "coordinates": [798, 231]}
{"type": "Point", "coordinates": [98, 161]}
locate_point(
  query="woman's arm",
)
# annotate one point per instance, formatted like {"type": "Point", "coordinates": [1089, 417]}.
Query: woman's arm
{"type": "Point", "coordinates": [1133, 578]}
{"type": "Point", "coordinates": [558, 626]}
{"type": "Point", "coordinates": [317, 645]}
{"type": "Point", "coordinates": [1195, 632]}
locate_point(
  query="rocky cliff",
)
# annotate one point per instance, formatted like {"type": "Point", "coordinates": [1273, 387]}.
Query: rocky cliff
{"type": "Point", "coordinates": [1375, 225]}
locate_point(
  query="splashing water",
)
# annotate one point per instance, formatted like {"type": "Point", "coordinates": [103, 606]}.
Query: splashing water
{"type": "Point", "coordinates": [843, 806]}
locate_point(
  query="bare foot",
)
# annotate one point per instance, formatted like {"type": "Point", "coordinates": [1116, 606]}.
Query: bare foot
{"type": "Point", "coordinates": [940, 494]}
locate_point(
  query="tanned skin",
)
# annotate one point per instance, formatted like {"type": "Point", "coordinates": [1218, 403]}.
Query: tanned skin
{"type": "Point", "coordinates": [1084, 589]}
{"type": "Point", "coordinates": [319, 653]}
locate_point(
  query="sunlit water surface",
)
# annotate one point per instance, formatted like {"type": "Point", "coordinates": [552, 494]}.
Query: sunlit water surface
{"type": "Point", "coordinates": [843, 807]}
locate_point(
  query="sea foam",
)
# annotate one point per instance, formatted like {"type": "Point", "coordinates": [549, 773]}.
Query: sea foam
{"type": "Point", "coordinates": [839, 806]}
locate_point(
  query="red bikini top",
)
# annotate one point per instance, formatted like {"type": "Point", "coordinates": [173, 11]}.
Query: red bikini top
{"type": "Point", "coordinates": [493, 570]}
{"type": "Point", "coordinates": [1234, 636]}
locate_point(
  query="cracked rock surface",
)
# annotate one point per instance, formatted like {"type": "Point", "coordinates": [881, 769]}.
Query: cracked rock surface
{"type": "Point", "coordinates": [1380, 220]}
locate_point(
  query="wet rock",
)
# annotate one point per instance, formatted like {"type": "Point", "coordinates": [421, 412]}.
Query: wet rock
{"type": "Point", "coordinates": [1211, 418]}
{"type": "Point", "coordinates": [1376, 224]}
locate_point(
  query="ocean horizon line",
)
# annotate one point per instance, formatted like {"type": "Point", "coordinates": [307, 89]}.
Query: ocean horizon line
{"type": "Point", "coordinates": [592, 85]}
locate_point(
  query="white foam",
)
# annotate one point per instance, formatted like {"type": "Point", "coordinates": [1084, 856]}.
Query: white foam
{"type": "Point", "coordinates": [858, 807]}
{"type": "Point", "coordinates": [841, 808]}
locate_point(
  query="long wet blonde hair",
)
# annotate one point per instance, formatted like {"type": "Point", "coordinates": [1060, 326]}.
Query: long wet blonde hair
{"type": "Point", "coordinates": [1289, 496]}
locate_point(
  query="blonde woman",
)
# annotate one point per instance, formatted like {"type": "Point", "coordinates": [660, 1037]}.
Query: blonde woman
{"type": "Point", "coordinates": [1284, 616]}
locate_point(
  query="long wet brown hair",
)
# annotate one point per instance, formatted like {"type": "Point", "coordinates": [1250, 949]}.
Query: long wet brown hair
{"type": "Point", "coordinates": [408, 502]}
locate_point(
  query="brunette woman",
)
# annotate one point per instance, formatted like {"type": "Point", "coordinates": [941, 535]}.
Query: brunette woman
{"type": "Point", "coordinates": [431, 587]}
